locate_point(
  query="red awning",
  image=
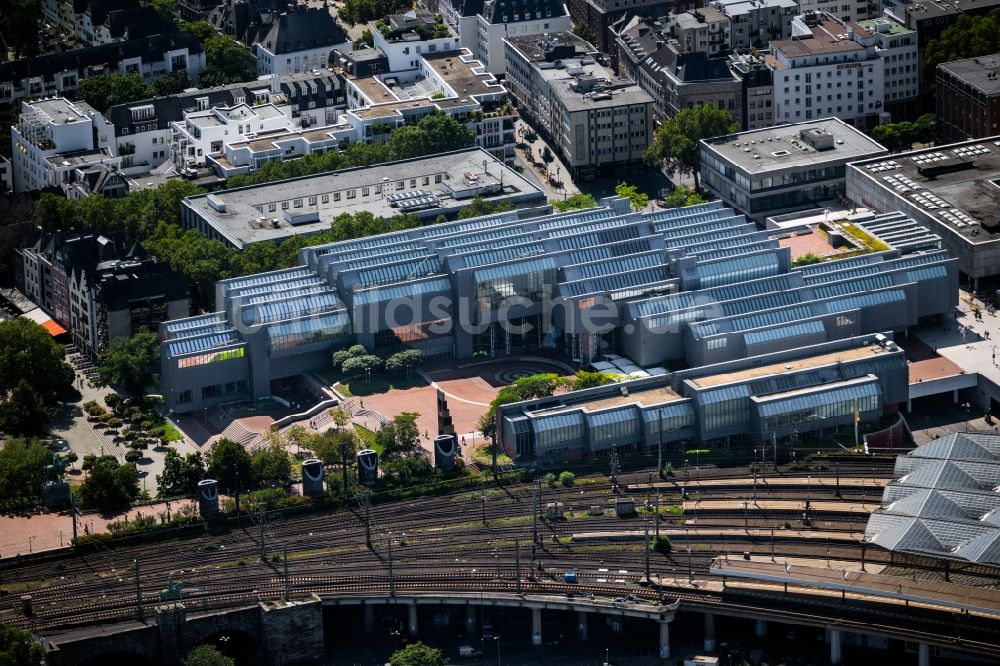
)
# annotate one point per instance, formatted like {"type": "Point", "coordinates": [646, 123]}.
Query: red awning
{"type": "Point", "coordinates": [53, 328]}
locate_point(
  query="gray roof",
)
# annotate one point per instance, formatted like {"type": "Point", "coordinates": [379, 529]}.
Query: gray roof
{"type": "Point", "coordinates": [303, 29]}
{"type": "Point", "coordinates": [954, 184]}
{"type": "Point", "coordinates": [944, 501]}
{"type": "Point", "coordinates": [781, 147]}
{"type": "Point", "coordinates": [982, 73]}
{"type": "Point", "coordinates": [513, 11]}
{"type": "Point", "coordinates": [244, 206]}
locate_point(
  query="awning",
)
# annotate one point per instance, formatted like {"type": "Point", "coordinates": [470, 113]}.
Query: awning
{"type": "Point", "coordinates": [45, 321]}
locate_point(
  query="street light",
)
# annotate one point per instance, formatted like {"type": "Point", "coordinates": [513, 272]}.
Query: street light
{"type": "Point", "coordinates": [225, 645]}
{"type": "Point", "coordinates": [497, 639]}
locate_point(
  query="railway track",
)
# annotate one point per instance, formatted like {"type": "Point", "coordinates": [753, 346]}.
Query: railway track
{"type": "Point", "coordinates": [438, 540]}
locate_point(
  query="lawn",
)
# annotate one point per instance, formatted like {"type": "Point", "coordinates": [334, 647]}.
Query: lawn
{"type": "Point", "coordinates": [170, 432]}
{"type": "Point", "coordinates": [367, 438]}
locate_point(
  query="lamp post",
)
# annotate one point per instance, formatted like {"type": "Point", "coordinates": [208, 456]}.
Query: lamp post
{"type": "Point", "coordinates": [225, 645]}
{"type": "Point", "coordinates": [497, 639]}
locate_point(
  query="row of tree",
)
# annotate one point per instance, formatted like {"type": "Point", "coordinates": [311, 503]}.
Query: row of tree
{"type": "Point", "coordinates": [26, 397]}
{"type": "Point", "coordinates": [102, 91]}
{"type": "Point", "coordinates": [230, 464]}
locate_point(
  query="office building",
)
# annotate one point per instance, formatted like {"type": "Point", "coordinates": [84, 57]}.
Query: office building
{"type": "Point", "coordinates": [896, 45]}
{"type": "Point", "coordinates": [482, 26]}
{"type": "Point", "coordinates": [827, 68]}
{"type": "Point", "coordinates": [786, 168]}
{"type": "Point", "coordinates": [941, 506]}
{"type": "Point", "coordinates": [599, 123]}
{"type": "Point", "coordinates": [54, 138]}
{"type": "Point", "coordinates": [847, 11]}
{"type": "Point", "coordinates": [60, 73]}
{"type": "Point", "coordinates": [950, 189]}
{"type": "Point", "coordinates": [438, 185]}
{"type": "Point", "coordinates": [99, 288]}
{"type": "Point", "coordinates": [758, 90]}
{"type": "Point", "coordinates": [967, 93]}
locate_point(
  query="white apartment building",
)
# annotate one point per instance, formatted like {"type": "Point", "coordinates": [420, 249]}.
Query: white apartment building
{"type": "Point", "coordinates": [206, 132]}
{"type": "Point", "coordinates": [410, 36]}
{"type": "Point", "coordinates": [300, 39]}
{"type": "Point", "coordinates": [827, 68]}
{"type": "Point", "coordinates": [897, 46]}
{"type": "Point", "coordinates": [52, 140]}
{"type": "Point", "coordinates": [6, 178]}
{"type": "Point", "coordinates": [757, 22]}
{"type": "Point", "coordinates": [845, 10]}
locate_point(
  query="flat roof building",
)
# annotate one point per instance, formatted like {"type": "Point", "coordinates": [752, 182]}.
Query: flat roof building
{"type": "Point", "coordinates": [968, 98]}
{"type": "Point", "coordinates": [950, 189]}
{"type": "Point", "coordinates": [786, 168]}
{"type": "Point", "coordinates": [443, 184]}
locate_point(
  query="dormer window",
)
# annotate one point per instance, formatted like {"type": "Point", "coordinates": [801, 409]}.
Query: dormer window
{"type": "Point", "coordinates": [142, 112]}
{"type": "Point", "coordinates": [202, 103]}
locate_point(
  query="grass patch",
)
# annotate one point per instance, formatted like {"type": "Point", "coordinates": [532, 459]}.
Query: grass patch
{"type": "Point", "coordinates": [863, 237]}
{"type": "Point", "coordinates": [701, 548]}
{"type": "Point", "coordinates": [359, 387]}
{"type": "Point", "coordinates": [483, 456]}
{"type": "Point", "coordinates": [367, 438]}
{"type": "Point", "coordinates": [170, 432]}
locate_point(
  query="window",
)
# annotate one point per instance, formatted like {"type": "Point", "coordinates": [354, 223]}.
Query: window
{"type": "Point", "coordinates": [400, 185]}
{"type": "Point", "coordinates": [184, 397]}
{"type": "Point", "coordinates": [271, 207]}
{"type": "Point", "coordinates": [298, 203]}
{"type": "Point", "coordinates": [413, 183]}
{"type": "Point", "coordinates": [364, 191]}
{"type": "Point", "coordinates": [312, 201]}
{"type": "Point", "coordinates": [351, 194]}
{"type": "Point", "coordinates": [325, 198]}
{"type": "Point", "coordinates": [336, 196]}
{"type": "Point", "coordinates": [210, 391]}
{"type": "Point", "coordinates": [284, 205]}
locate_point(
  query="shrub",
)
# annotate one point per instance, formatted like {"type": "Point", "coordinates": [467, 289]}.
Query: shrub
{"type": "Point", "coordinates": [567, 479]}
{"type": "Point", "coordinates": [550, 480]}
{"type": "Point", "coordinates": [661, 544]}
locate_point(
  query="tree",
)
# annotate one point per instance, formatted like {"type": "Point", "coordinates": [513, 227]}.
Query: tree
{"type": "Point", "coordinates": [683, 195]}
{"type": "Point", "coordinates": [418, 654]}
{"type": "Point", "coordinates": [576, 202]}
{"type": "Point", "coordinates": [525, 388]}
{"type": "Point", "coordinates": [675, 146]}
{"type": "Point", "coordinates": [968, 37]}
{"type": "Point", "coordinates": [229, 464]}
{"type": "Point", "coordinates": [270, 464]}
{"type": "Point", "coordinates": [109, 484]}
{"type": "Point", "coordinates": [530, 135]}
{"type": "Point", "coordinates": [481, 206]}
{"type": "Point", "coordinates": [133, 456]}
{"type": "Point", "coordinates": [172, 83]}
{"type": "Point", "coordinates": [18, 647]}
{"type": "Point", "coordinates": [22, 470]}
{"type": "Point", "coordinates": [902, 135]}
{"type": "Point", "coordinates": [407, 472]}
{"type": "Point", "coordinates": [567, 479]}
{"type": "Point", "coordinates": [132, 362]}
{"type": "Point", "coordinates": [181, 474]}
{"type": "Point", "coordinates": [362, 11]}
{"type": "Point", "coordinates": [165, 8]}
{"type": "Point", "coordinates": [226, 61]}
{"type": "Point", "coordinates": [103, 91]}
{"type": "Point", "coordinates": [24, 344]}
{"type": "Point", "coordinates": [547, 157]}
{"type": "Point", "coordinates": [586, 380]}
{"type": "Point", "coordinates": [365, 40]}
{"type": "Point", "coordinates": [335, 446]}
{"type": "Point", "coordinates": [404, 361]}
{"type": "Point", "coordinates": [637, 199]}
{"type": "Point", "coordinates": [584, 32]}
{"type": "Point", "coordinates": [23, 412]}
{"type": "Point", "coordinates": [207, 655]}
{"type": "Point", "coordinates": [361, 365]}
{"type": "Point", "coordinates": [400, 437]}
{"type": "Point", "coordinates": [19, 21]}
{"type": "Point", "coordinates": [444, 133]}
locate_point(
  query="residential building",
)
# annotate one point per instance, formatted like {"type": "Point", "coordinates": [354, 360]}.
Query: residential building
{"type": "Point", "coordinates": [61, 73]}
{"type": "Point", "coordinates": [99, 288]}
{"type": "Point", "coordinates": [6, 177]}
{"type": "Point", "coordinates": [451, 82]}
{"type": "Point", "coordinates": [846, 10]}
{"type": "Point", "coordinates": [968, 98]}
{"type": "Point", "coordinates": [428, 187]}
{"type": "Point", "coordinates": [53, 139]}
{"type": "Point", "coordinates": [758, 90]}
{"type": "Point", "coordinates": [142, 129]}
{"type": "Point", "coordinates": [132, 23]}
{"type": "Point", "coordinates": [403, 38]}
{"type": "Point", "coordinates": [205, 132]}
{"type": "Point", "coordinates": [93, 22]}
{"type": "Point", "coordinates": [897, 46]}
{"type": "Point", "coordinates": [755, 23]}
{"type": "Point", "coordinates": [600, 15]}
{"type": "Point", "coordinates": [483, 25]}
{"type": "Point", "coordinates": [675, 80]}
{"type": "Point", "coordinates": [98, 180]}
{"type": "Point", "coordinates": [705, 30]}
{"type": "Point", "coordinates": [299, 39]}
{"type": "Point", "coordinates": [786, 168]}
{"type": "Point", "coordinates": [598, 123]}
{"type": "Point", "coordinates": [950, 189]}
{"type": "Point", "coordinates": [828, 68]}
{"type": "Point", "coordinates": [772, 351]}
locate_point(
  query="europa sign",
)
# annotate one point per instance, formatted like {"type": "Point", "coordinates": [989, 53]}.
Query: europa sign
{"type": "Point", "coordinates": [850, 65]}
